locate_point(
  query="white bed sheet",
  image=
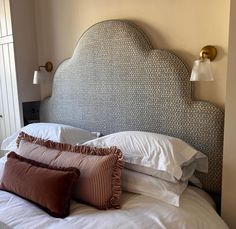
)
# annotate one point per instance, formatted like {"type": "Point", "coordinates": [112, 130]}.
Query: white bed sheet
{"type": "Point", "coordinates": [196, 211]}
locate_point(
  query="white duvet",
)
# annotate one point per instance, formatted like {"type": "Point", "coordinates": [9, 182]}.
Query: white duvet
{"type": "Point", "coordinates": [196, 211]}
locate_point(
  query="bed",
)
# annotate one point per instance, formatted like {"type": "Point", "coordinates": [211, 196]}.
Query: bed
{"type": "Point", "coordinates": [115, 81]}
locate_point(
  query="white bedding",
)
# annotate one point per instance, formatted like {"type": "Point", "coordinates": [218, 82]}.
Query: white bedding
{"type": "Point", "coordinates": [196, 211]}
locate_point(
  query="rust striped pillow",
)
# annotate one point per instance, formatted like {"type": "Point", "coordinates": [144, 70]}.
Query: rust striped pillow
{"type": "Point", "coordinates": [100, 168]}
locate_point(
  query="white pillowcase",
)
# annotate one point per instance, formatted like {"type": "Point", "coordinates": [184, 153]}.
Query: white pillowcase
{"type": "Point", "coordinates": [51, 131]}
{"type": "Point", "coordinates": [187, 171]}
{"type": "Point", "coordinates": [2, 166]}
{"type": "Point", "coordinates": [153, 187]}
{"type": "Point", "coordinates": [154, 154]}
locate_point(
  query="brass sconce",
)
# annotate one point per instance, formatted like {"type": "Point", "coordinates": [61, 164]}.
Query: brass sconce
{"type": "Point", "coordinates": [202, 67]}
{"type": "Point", "coordinates": [38, 76]}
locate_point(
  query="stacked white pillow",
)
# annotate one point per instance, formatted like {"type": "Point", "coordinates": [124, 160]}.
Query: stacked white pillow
{"type": "Point", "coordinates": [161, 162]}
{"type": "Point", "coordinates": [154, 187]}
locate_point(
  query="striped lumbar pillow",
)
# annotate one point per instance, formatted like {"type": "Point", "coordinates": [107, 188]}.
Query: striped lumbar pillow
{"type": "Point", "coordinates": [100, 168]}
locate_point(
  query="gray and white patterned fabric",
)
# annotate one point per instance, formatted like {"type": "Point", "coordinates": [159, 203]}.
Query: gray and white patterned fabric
{"type": "Point", "coordinates": [116, 81]}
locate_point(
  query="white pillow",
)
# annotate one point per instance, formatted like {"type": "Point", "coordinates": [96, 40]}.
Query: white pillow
{"type": "Point", "coordinates": [187, 171]}
{"type": "Point", "coordinates": [154, 154]}
{"type": "Point", "coordinates": [51, 131]}
{"type": "Point", "coordinates": [153, 187]}
{"type": "Point", "coordinates": [2, 166]}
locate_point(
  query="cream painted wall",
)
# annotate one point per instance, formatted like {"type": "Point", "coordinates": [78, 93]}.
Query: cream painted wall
{"type": "Point", "coordinates": [229, 161]}
{"type": "Point", "coordinates": [24, 32]}
{"type": "Point", "coordinates": [25, 46]}
{"type": "Point", "coordinates": [183, 26]}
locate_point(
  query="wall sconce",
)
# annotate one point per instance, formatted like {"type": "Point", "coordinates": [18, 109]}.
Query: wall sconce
{"type": "Point", "coordinates": [202, 67]}
{"type": "Point", "coordinates": [38, 76]}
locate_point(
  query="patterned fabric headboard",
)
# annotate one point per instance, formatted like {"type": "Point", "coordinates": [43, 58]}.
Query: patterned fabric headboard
{"type": "Point", "coordinates": [116, 81]}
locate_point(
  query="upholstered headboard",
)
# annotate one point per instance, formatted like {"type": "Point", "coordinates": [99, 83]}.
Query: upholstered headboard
{"type": "Point", "coordinates": [116, 81]}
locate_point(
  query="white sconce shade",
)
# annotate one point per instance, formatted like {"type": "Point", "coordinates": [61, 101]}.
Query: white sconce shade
{"type": "Point", "coordinates": [36, 79]}
{"type": "Point", "coordinates": [202, 70]}
{"type": "Point", "coordinates": [39, 76]}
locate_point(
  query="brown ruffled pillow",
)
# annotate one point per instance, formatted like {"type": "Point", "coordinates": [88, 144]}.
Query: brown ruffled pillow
{"type": "Point", "coordinates": [48, 187]}
{"type": "Point", "coordinates": [100, 168]}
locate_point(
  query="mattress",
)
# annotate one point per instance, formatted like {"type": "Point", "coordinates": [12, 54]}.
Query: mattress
{"type": "Point", "coordinates": [137, 211]}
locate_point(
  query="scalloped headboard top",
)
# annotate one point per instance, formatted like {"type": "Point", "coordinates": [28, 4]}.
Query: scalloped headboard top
{"type": "Point", "coordinates": [116, 81]}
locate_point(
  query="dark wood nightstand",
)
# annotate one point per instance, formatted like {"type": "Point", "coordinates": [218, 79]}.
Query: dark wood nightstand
{"type": "Point", "coordinates": [2, 153]}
